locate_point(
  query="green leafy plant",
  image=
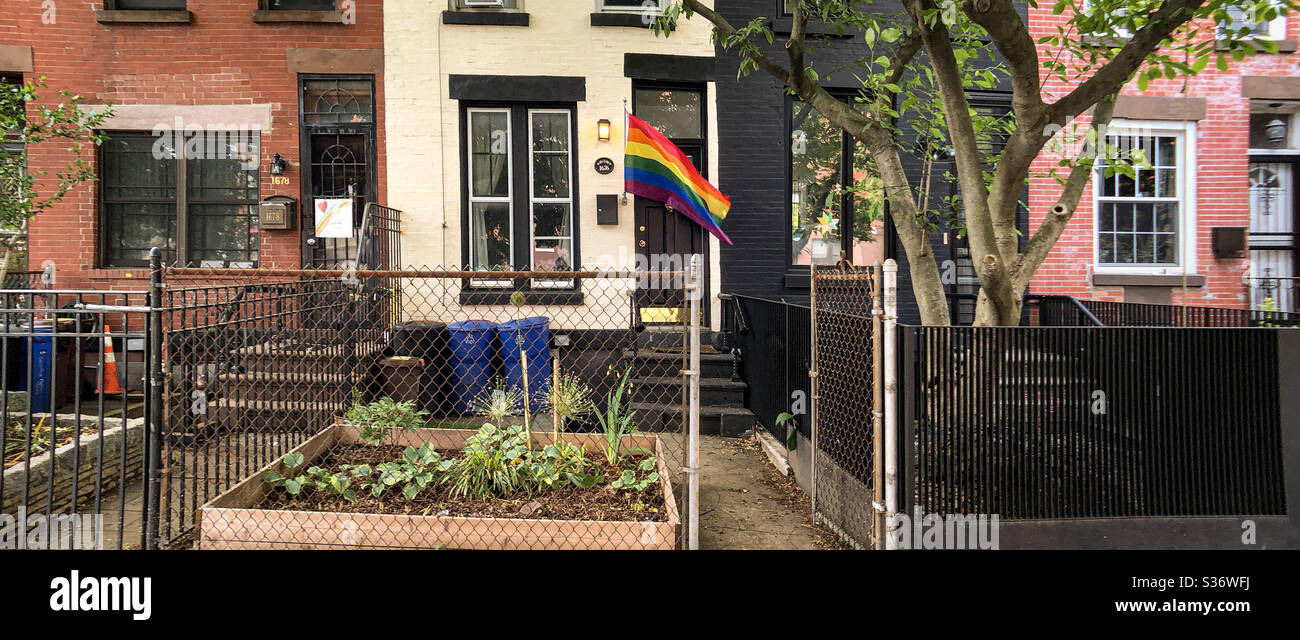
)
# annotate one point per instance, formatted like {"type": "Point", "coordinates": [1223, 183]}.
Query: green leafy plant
{"type": "Point", "coordinates": [416, 471]}
{"type": "Point", "coordinates": [639, 477]}
{"type": "Point", "coordinates": [791, 425]}
{"type": "Point", "coordinates": [560, 463]}
{"type": "Point", "coordinates": [29, 122]}
{"type": "Point", "coordinates": [494, 462]}
{"type": "Point", "coordinates": [616, 420]}
{"type": "Point", "coordinates": [568, 398]}
{"type": "Point", "coordinates": [498, 400]}
{"type": "Point", "coordinates": [316, 478]}
{"type": "Point", "coordinates": [379, 418]}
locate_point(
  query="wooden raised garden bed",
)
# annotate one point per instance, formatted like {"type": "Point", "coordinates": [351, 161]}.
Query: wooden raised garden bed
{"type": "Point", "coordinates": [240, 519]}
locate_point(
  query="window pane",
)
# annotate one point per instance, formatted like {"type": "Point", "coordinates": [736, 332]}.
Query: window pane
{"type": "Point", "coordinates": [1124, 248]}
{"type": "Point", "coordinates": [1107, 248]}
{"type": "Point", "coordinates": [551, 175]}
{"type": "Point", "coordinates": [552, 255]}
{"type": "Point", "coordinates": [551, 219]}
{"type": "Point", "coordinates": [226, 170]}
{"type": "Point", "coordinates": [337, 101]}
{"type": "Point", "coordinates": [550, 131]}
{"type": "Point", "coordinates": [150, 4]}
{"type": "Point", "coordinates": [301, 5]}
{"type": "Point", "coordinates": [489, 234]}
{"type": "Point", "coordinates": [135, 168]}
{"type": "Point", "coordinates": [133, 229]}
{"type": "Point", "coordinates": [816, 183]}
{"type": "Point", "coordinates": [490, 154]}
{"type": "Point", "coordinates": [1165, 248]}
{"type": "Point", "coordinates": [1106, 217]}
{"type": "Point", "coordinates": [676, 113]}
{"type": "Point", "coordinates": [223, 235]}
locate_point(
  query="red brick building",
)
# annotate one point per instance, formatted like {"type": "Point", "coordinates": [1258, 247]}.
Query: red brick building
{"type": "Point", "coordinates": [1226, 146]}
{"type": "Point", "coordinates": [207, 96]}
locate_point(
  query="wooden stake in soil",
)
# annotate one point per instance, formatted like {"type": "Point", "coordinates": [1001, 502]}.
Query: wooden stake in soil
{"type": "Point", "coordinates": [523, 362]}
{"type": "Point", "coordinates": [555, 406]}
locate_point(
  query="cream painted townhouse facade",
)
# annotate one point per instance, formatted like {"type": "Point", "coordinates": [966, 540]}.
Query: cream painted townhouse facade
{"type": "Point", "coordinates": [505, 130]}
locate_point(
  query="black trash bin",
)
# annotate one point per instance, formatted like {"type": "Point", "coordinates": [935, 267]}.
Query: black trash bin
{"type": "Point", "coordinates": [428, 340]}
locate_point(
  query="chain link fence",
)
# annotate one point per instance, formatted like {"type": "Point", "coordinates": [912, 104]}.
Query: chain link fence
{"type": "Point", "coordinates": [423, 408]}
{"type": "Point", "coordinates": [845, 404]}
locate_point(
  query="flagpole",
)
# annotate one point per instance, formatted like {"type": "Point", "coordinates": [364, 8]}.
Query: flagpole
{"type": "Point", "coordinates": [625, 126]}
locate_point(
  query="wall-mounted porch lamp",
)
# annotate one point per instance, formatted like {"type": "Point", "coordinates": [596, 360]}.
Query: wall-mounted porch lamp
{"type": "Point", "coordinates": [277, 165]}
{"type": "Point", "coordinates": [602, 130]}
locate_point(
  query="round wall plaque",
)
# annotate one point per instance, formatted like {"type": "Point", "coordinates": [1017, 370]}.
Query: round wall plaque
{"type": "Point", "coordinates": [604, 166]}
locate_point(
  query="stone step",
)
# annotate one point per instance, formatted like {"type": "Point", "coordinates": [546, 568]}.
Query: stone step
{"type": "Point", "coordinates": [297, 356]}
{"type": "Point", "coordinates": [299, 385]}
{"type": "Point", "coordinates": [713, 391]}
{"type": "Point", "coordinates": [725, 421]}
{"type": "Point", "coordinates": [649, 364]}
{"type": "Point", "coordinates": [237, 414]}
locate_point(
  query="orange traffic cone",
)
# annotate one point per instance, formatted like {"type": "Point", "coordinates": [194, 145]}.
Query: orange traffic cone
{"type": "Point", "coordinates": [110, 366]}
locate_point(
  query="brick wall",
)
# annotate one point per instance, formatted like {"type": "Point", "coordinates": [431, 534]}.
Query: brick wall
{"type": "Point", "coordinates": [221, 58]}
{"type": "Point", "coordinates": [1222, 188]}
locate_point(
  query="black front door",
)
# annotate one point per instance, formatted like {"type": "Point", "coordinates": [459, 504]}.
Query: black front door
{"type": "Point", "coordinates": [338, 158]}
{"type": "Point", "coordinates": [666, 240]}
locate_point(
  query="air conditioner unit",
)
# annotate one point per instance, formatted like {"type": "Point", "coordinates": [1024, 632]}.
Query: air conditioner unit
{"type": "Point", "coordinates": [484, 3]}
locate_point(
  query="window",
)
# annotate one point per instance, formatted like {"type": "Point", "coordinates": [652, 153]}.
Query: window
{"type": "Point", "coordinates": [300, 5]}
{"type": "Point", "coordinates": [1105, 19]}
{"type": "Point", "coordinates": [1259, 27]}
{"type": "Point", "coordinates": [1141, 220]}
{"type": "Point", "coordinates": [632, 5]}
{"type": "Point", "coordinates": [145, 4]}
{"type": "Point", "coordinates": [200, 210]}
{"type": "Point", "coordinates": [835, 196]}
{"type": "Point", "coordinates": [519, 176]}
{"type": "Point", "coordinates": [487, 4]}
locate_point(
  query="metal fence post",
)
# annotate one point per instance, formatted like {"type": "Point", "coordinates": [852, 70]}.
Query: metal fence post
{"type": "Point", "coordinates": [693, 293]}
{"type": "Point", "coordinates": [877, 412]}
{"type": "Point", "coordinates": [891, 394]}
{"type": "Point", "coordinates": [813, 397]}
{"type": "Point", "coordinates": [153, 447]}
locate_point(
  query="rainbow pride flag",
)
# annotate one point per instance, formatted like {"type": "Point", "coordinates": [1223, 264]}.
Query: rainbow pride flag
{"type": "Point", "coordinates": [656, 169]}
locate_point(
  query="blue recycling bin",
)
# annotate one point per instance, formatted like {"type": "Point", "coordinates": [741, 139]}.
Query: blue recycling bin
{"type": "Point", "coordinates": [42, 364]}
{"type": "Point", "coordinates": [470, 342]}
{"type": "Point", "coordinates": [536, 335]}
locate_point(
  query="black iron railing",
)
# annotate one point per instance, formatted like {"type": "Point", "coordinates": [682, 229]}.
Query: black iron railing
{"type": "Point", "coordinates": [1059, 423]}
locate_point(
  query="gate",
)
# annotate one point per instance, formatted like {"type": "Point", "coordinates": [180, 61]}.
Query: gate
{"type": "Point", "coordinates": [846, 406]}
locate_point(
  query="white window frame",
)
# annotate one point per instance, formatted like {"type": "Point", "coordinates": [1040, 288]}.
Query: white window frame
{"type": "Point", "coordinates": [1119, 32]}
{"type": "Point", "coordinates": [486, 4]}
{"type": "Point", "coordinates": [1276, 26]}
{"type": "Point", "coordinates": [534, 200]}
{"type": "Point", "coordinates": [1185, 132]}
{"type": "Point", "coordinates": [510, 187]}
{"type": "Point", "coordinates": [657, 8]}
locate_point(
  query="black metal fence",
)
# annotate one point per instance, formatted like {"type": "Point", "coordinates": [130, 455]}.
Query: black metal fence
{"type": "Point", "coordinates": [1068, 423]}
{"type": "Point", "coordinates": [1062, 312]}
{"type": "Point", "coordinates": [774, 354]}
{"type": "Point", "coordinates": [358, 369]}
{"type": "Point", "coordinates": [74, 367]}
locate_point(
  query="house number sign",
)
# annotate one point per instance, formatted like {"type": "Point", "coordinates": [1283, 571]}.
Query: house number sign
{"type": "Point", "coordinates": [604, 166]}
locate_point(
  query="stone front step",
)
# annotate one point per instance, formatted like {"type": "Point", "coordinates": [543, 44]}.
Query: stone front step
{"type": "Point", "coordinates": [661, 417]}
{"type": "Point", "coordinates": [713, 391]}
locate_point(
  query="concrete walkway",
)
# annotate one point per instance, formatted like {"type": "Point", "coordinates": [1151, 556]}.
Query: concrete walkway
{"type": "Point", "coordinates": [746, 504]}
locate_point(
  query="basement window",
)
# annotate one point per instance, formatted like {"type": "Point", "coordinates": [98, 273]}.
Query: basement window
{"type": "Point", "coordinates": [143, 11]}
{"type": "Point", "coordinates": [313, 11]}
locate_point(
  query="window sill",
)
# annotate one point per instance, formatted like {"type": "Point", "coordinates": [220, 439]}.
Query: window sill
{"type": "Point", "coordinates": [784, 26]}
{"type": "Point", "coordinates": [498, 297]}
{"type": "Point", "coordinates": [143, 16]}
{"type": "Point", "coordinates": [638, 20]}
{"type": "Point", "coordinates": [499, 18]}
{"type": "Point", "coordinates": [315, 17]}
{"type": "Point", "coordinates": [1283, 46]}
{"type": "Point", "coordinates": [1104, 42]}
{"type": "Point", "coordinates": [1119, 279]}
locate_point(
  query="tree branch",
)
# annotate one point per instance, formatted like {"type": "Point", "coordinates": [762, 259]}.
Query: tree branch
{"type": "Point", "coordinates": [1112, 76]}
{"type": "Point", "coordinates": [720, 23]}
{"type": "Point", "coordinates": [1041, 243]}
{"type": "Point", "coordinates": [990, 264]}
